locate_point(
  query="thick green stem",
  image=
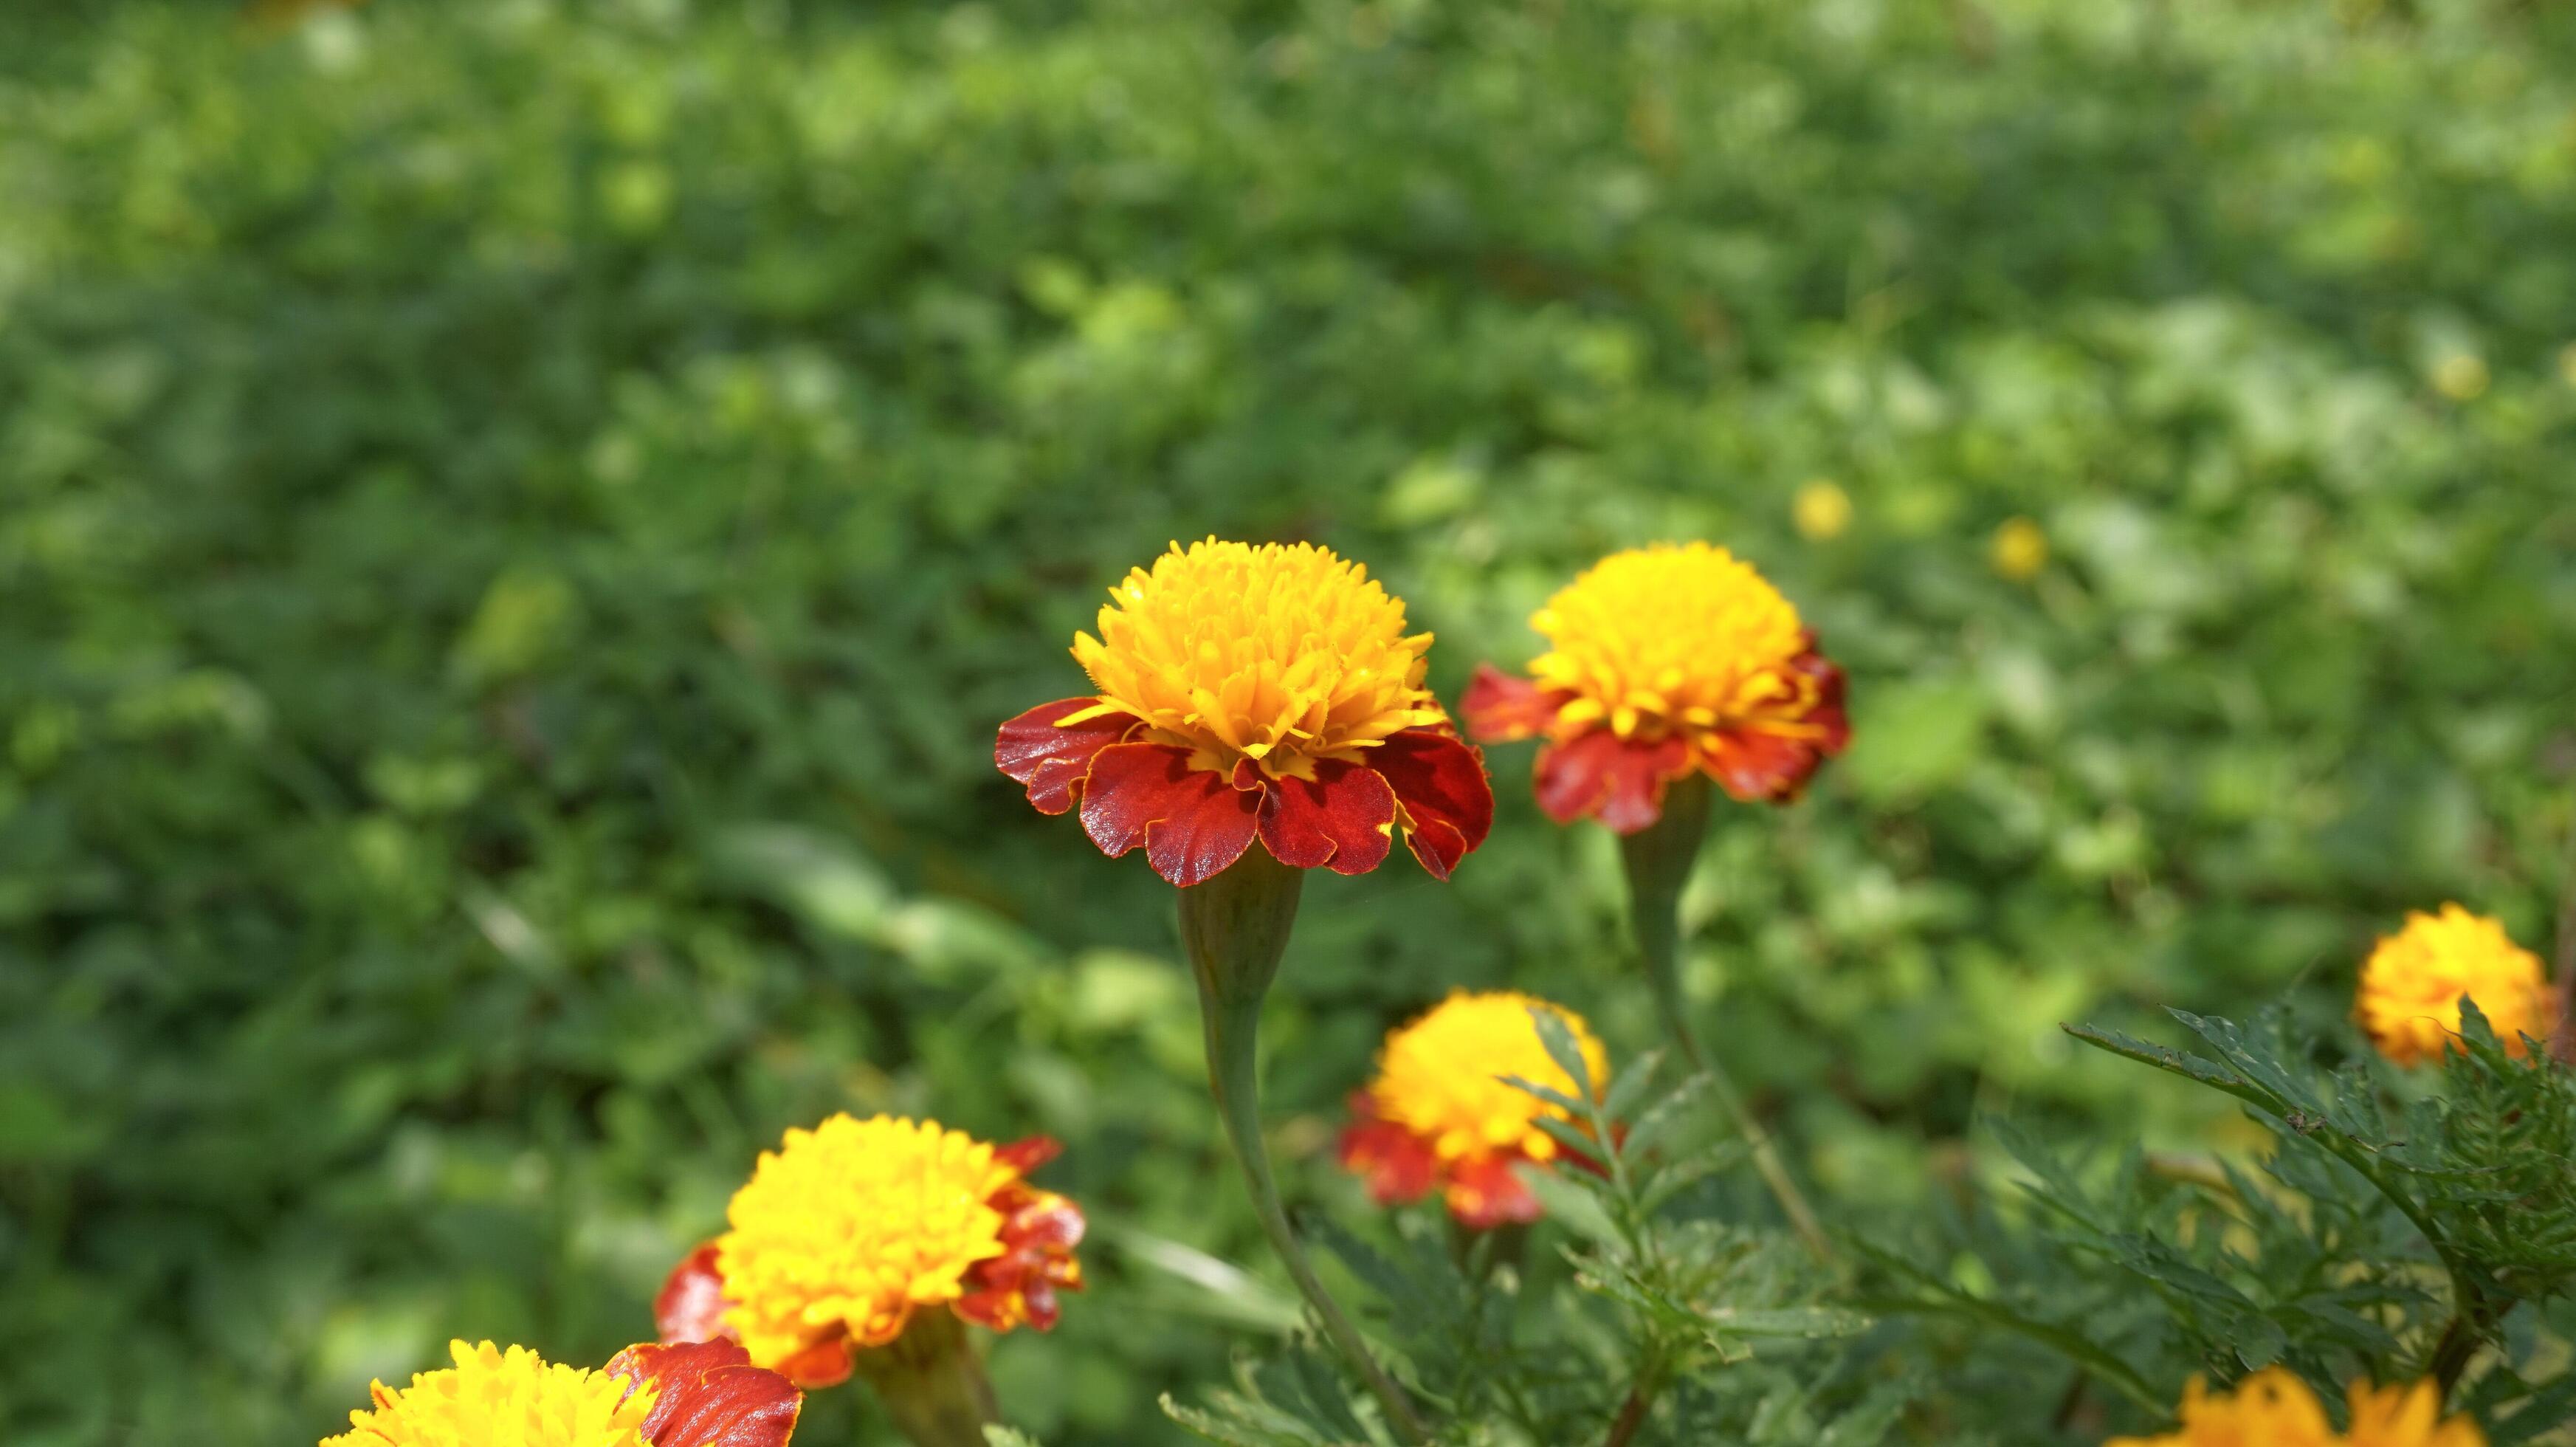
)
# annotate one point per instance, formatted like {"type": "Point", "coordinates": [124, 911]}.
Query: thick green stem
{"type": "Point", "coordinates": [1235, 927]}
{"type": "Point", "coordinates": [1659, 859]}
{"type": "Point", "coordinates": [932, 1383]}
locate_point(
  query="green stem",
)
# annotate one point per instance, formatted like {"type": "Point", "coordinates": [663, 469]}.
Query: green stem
{"type": "Point", "coordinates": [1235, 927]}
{"type": "Point", "coordinates": [932, 1384]}
{"type": "Point", "coordinates": [1659, 859]}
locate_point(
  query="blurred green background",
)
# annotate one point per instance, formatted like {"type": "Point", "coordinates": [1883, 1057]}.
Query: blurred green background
{"type": "Point", "coordinates": [518, 520]}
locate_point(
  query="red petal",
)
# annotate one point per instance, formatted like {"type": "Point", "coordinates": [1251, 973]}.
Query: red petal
{"type": "Point", "coordinates": [824, 1364]}
{"type": "Point", "coordinates": [1027, 1155]}
{"type": "Point", "coordinates": [1192, 822]}
{"type": "Point", "coordinates": [1500, 707]}
{"type": "Point", "coordinates": [1770, 758]}
{"type": "Point", "coordinates": [1344, 818]}
{"type": "Point", "coordinates": [1053, 761]}
{"type": "Point", "coordinates": [1448, 802]}
{"type": "Point", "coordinates": [1394, 1163]}
{"type": "Point", "coordinates": [710, 1396]}
{"type": "Point", "coordinates": [1039, 1233]}
{"type": "Point", "coordinates": [1487, 1193]}
{"type": "Point", "coordinates": [692, 1303]}
{"type": "Point", "coordinates": [1622, 780]}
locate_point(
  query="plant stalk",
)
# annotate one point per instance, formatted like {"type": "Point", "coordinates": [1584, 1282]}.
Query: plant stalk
{"type": "Point", "coordinates": [932, 1383]}
{"type": "Point", "coordinates": [2562, 1037]}
{"type": "Point", "coordinates": [1234, 928]}
{"type": "Point", "coordinates": [1659, 859]}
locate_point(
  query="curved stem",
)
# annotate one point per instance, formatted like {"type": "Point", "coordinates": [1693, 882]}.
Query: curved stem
{"type": "Point", "coordinates": [1234, 928]}
{"type": "Point", "coordinates": [1658, 860]}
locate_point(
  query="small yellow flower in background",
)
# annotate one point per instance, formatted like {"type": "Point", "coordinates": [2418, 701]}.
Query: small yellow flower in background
{"type": "Point", "coordinates": [647, 1396]}
{"type": "Point", "coordinates": [2019, 550]}
{"type": "Point", "coordinates": [2460, 376]}
{"type": "Point", "coordinates": [850, 1229]}
{"type": "Point", "coordinates": [1439, 1113]}
{"type": "Point", "coordinates": [2273, 1408]}
{"type": "Point", "coordinates": [1822, 511]}
{"type": "Point", "coordinates": [2409, 1000]}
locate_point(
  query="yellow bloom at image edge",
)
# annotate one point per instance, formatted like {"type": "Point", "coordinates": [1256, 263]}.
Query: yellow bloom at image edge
{"type": "Point", "coordinates": [2273, 1408]}
{"type": "Point", "coordinates": [498, 1398]}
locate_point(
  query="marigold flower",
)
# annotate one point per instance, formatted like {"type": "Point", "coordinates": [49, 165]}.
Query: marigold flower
{"type": "Point", "coordinates": [1439, 1113]}
{"type": "Point", "coordinates": [2409, 999]}
{"type": "Point", "coordinates": [1664, 660]}
{"type": "Point", "coordinates": [2273, 1408]}
{"type": "Point", "coordinates": [848, 1229]}
{"type": "Point", "coordinates": [1254, 691]}
{"type": "Point", "coordinates": [702, 1395]}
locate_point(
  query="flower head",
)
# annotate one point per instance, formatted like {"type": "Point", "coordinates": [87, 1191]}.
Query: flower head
{"type": "Point", "coordinates": [848, 1229]}
{"type": "Point", "coordinates": [1440, 1112]}
{"type": "Point", "coordinates": [1253, 691]}
{"type": "Point", "coordinates": [2409, 1000]}
{"type": "Point", "coordinates": [1664, 660]}
{"type": "Point", "coordinates": [706, 1395]}
{"type": "Point", "coordinates": [2273, 1408]}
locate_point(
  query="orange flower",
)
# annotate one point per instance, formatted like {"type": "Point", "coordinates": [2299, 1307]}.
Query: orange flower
{"type": "Point", "coordinates": [705, 1394]}
{"type": "Point", "coordinates": [2273, 1408]}
{"type": "Point", "coordinates": [1440, 1114]}
{"type": "Point", "coordinates": [2409, 995]}
{"type": "Point", "coordinates": [849, 1229]}
{"type": "Point", "coordinates": [1246, 692]}
{"type": "Point", "coordinates": [1663, 661]}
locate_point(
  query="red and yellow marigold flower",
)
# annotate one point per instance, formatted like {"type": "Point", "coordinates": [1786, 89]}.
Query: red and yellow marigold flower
{"type": "Point", "coordinates": [1439, 1113]}
{"type": "Point", "coordinates": [2409, 999]}
{"type": "Point", "coordinates": [702, 1395]}
{"type": "Point", "coordinates": [2273, 1408]}
{"type": "Point", "coordinates": [1663, 661]}
{"type": "Point", "coordinates": [1247, 692]}
{"type": "Point", "coordinates": [849, 1229]}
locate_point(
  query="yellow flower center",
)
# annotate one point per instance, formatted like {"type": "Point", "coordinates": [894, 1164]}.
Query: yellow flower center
{"type": "Point", "coordinates": [1668, 637]}
{"type": "Point", "coordinates": [1439, 1077]}
{"type": "Point", "coordinates": [1274, 653]}
{"type": "Point", "coordinates": [496, 1398]}
{"type": "Point", "coordinates": [853, 1225]}
{"type": "Point", "coordinates": [2411, 986]}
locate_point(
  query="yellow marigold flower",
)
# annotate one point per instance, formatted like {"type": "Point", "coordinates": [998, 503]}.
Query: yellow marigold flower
{"type": "Point", "coordinates": [2273, 1408]}
{"type": "Point", "coordinates": [1662, 661]}
{"type": "Point", "coordinates": [496, 1396]}
{"type": "Point", "coordinates": [1821, 511]}
{"type": "Point", "coordinates": [2019, 550]}
{"type": "Point", "coordinates": [647, 1396]}
{"type": "Point", "coordinates": [1439, 1112]}
{"type": "Point", "coordinates": [1251, 691]}
{"type": "Point", "coordinates": [849, 1228]}
{"type": "Point", "coordinates": [1277, 653]}
{"type": "Point", "coordinates": [2409, 1000]}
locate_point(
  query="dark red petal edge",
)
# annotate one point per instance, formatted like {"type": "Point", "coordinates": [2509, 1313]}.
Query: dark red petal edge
{"type": "Point", "coordinates": [1192, 822]}
{"type": "Point", "coordinates": [1500, 707]}
{"type": "Point", "coordinates": [1029, 1153]}
{"type": "Point", "coordinates": [1448, 801]}
{"type": "Point", "coordinates": [1621, 780]}
{"type": "Point", "coordinates": [1040, 1230]}
{"type": "Point", "coordinates": [1053, 761]}
{"type": "Point", "coordinates": [691, 1305]}
{"type": "Point", "coordinates": [710, 1395]}
{"type": "Point", "coordinates": [1342, 819]}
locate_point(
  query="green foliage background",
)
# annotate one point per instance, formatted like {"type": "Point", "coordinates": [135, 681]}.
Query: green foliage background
{"type": "Point", "coordinates": [518, 519]}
